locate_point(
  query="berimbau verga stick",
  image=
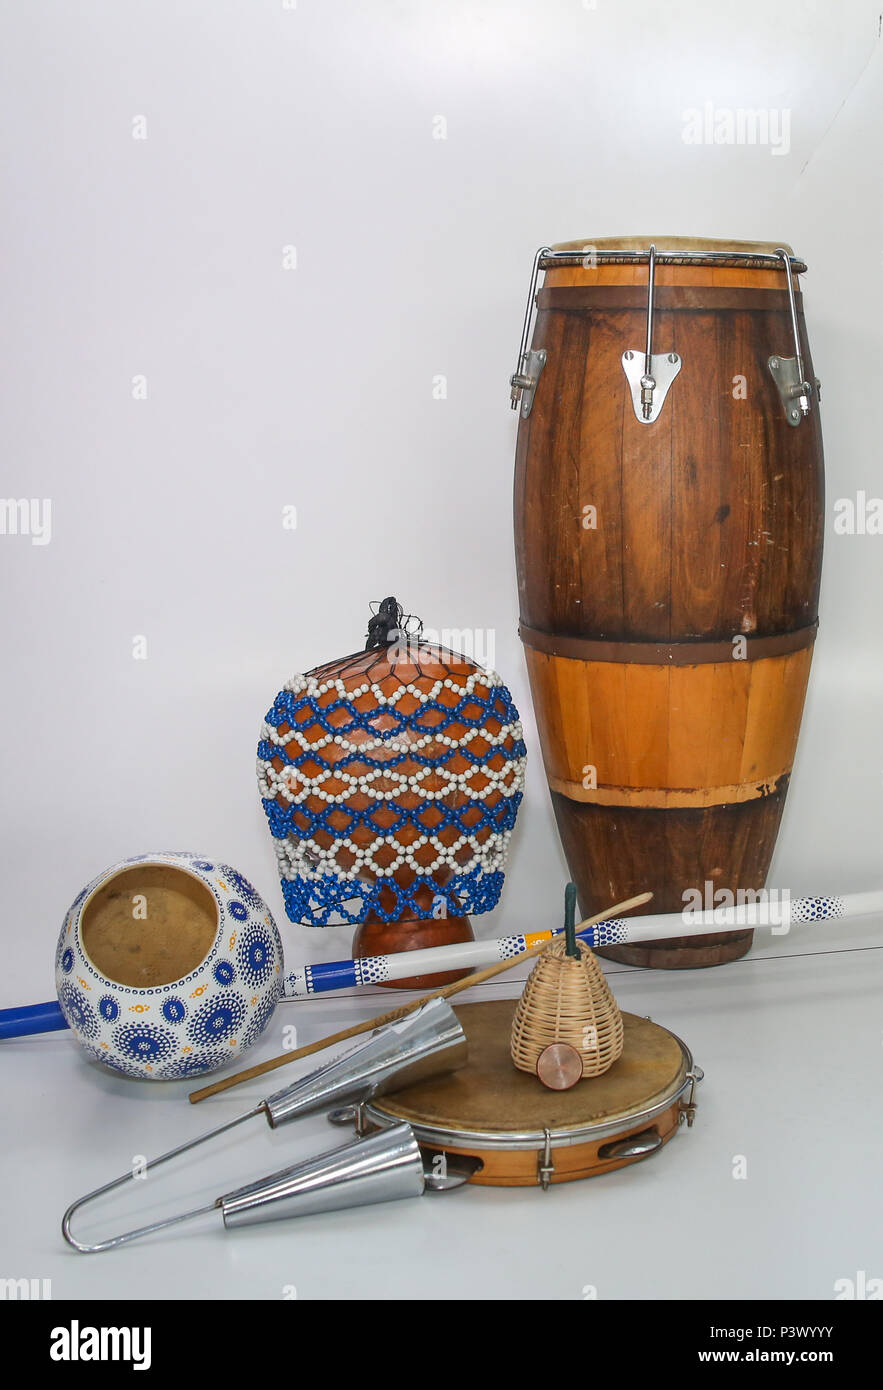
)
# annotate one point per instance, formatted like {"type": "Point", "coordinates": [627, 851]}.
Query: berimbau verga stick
{"type": "Point", "coordinates": [393, 1015]}
{"type": "Point", "coordinates": [777, 914]}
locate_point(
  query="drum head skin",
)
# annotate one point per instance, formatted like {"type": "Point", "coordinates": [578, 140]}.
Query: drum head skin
{"type": "Point", "coordinates": [672, 243]}
{"type": "Point", "coordinates": [489, 1095]}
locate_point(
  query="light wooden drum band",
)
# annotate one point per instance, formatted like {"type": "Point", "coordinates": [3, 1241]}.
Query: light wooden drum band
{"type": "Point", "coordinates": [668, 736]}
{"type": "Point", "coordinates": [492, 1111]}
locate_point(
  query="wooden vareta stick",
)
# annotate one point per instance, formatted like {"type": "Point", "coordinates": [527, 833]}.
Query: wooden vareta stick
{"type": "Point", "coordinates": [477, 978]}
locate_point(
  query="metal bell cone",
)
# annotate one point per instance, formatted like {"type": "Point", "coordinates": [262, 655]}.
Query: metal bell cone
{"type": "Point", "coordinates": [384, 1167]}
{"type": "Point", "coordinates": [424, 1043]}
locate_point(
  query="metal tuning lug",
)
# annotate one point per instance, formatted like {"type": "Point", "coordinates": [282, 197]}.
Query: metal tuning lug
{"type": "Point", "coordinates": [524, 383]}
{"type": "Point", "coordinates": [344, 1116]}
{"type": "Point", "coordinates": [349, 1117]}
{"type": "Point", "coordinates": [546, 1163]}
{"type": "Point", "coordinates": [687, 1108]}
{"type": "Point", "coordinates": [649, 381]}
{"type": "Point", "coordinates": [649, 375]}
{"type": "Point", "coordinates": [530, 361]}
{"type": "Point", "coordinates": [796, 392]}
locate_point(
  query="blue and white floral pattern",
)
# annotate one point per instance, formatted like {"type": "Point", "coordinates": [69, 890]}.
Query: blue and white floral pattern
{"type": "Point", "coordinates": [108, 1008]}
{"type": "Point", "coordinates": [143, 1042]}
{"type": "Point", "coordinates": [77, 1010]}
{"type": "Point", "coordinates": [173, 1010]}
{"type": "Point", "coordinates": [221, 1017]}
{"type": "Point", "coordinates": [255, 955]}
{"type": "Point", "coordinates": [224, 972]}
{"type": "Point", "coordinates": [187, 1027]}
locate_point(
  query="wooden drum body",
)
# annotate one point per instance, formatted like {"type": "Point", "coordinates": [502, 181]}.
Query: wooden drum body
{"type": "Point", "coordinates": [668, 569]}
{"type": "Point", "coordinates": [518, 1133]}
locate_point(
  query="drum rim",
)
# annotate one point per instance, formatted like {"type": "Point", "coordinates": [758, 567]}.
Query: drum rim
{"type": "Point", "coordinates": [444, 1137]}
{"type": "Point", "coordinates": [550, 256]}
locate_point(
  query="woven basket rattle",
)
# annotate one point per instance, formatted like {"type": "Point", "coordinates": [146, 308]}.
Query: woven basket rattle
{"type": "Point", "coordinates": [567, 1000]}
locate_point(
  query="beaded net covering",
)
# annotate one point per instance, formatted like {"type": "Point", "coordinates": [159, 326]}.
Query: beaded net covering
{"type": "Point", "coordinates": [391, 781]}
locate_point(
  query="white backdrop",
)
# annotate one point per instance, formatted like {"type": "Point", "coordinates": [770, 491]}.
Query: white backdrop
{"type": "Point", "coordinates": [238, 255]}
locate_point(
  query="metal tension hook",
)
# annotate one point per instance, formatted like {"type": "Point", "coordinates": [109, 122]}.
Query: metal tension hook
{"type": "Point", "coordinates": [649, 377]}
{"type": "Point", "coordinates": [524, 379]}
{"type": "Point", "coordinates": [789, 373]}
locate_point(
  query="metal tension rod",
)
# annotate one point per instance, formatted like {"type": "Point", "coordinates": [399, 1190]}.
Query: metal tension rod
{"type": "Point", "coordinates": [530, 364]}
{"type": "Point", "coordinates": [648, 383]}
{"type": "Point", "coordinates": [789, 373]}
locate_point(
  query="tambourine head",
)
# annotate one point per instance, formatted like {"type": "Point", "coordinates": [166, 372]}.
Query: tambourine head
{"type": "Point", "coordinates": [527, 1135]}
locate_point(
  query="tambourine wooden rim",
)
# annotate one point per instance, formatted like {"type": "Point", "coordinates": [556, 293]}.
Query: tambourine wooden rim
{"type": "Point", "coordinates": [523, 1155]}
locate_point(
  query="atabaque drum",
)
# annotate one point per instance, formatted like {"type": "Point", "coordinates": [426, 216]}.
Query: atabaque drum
{"type": "Point", "coordinates": [503, 1128]}
{"type": "Point", "coordinates": [668, 534]}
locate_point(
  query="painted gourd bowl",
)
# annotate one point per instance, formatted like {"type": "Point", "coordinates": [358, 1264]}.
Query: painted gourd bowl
{"type": "Point", "coordinates": [168, 965]}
